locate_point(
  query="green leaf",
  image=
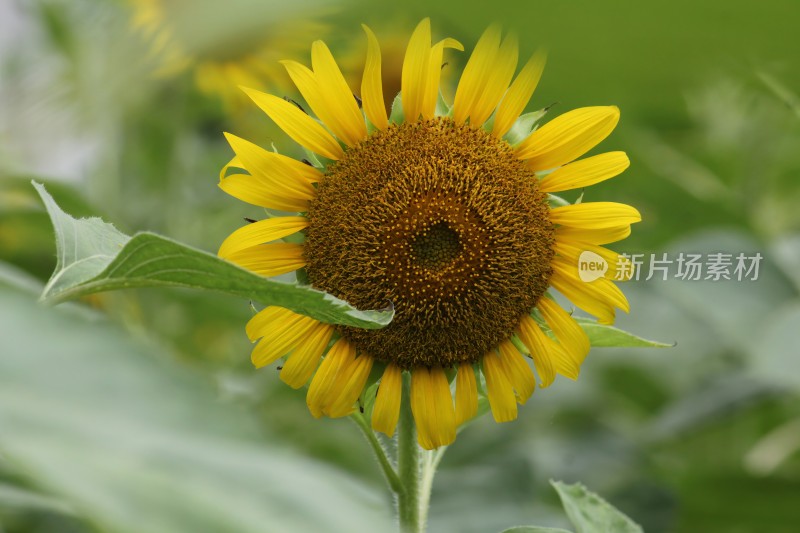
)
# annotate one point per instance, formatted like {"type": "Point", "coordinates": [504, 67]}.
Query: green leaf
{"type": "Point", "coordinates": [116, 431]}
{"type": "Point", "coordinates": [93, 256]}
{"type": "Point", "coordinates": [589, 513]}
{"type": "Point", "coordinates": [773, 349]}
{"type": "Point", "coordinates": [534, 529]}
{"type": "Point", "coordinates": [17, 498]}
{"type": "Point", "coordinates": [603, 336]}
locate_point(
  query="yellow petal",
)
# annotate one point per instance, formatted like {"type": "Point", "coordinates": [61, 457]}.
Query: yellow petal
{"type": "Point", "coordinates": [415, 71]}
{"type": "Point", "coordinates": [568, 136]}
{"type": "Point", "coordinates": [466, 394]}
{"type": "Point", "coordinates": [300, 365]}
{"type": "Point", "coordinates": [431, 91]}
{"type": "Point", "coordinates": [266, 318]}
{"type": "Point", "coordinates": [619, 267]}
{"type": "Point", "coordinates": [338, 95]}
{"type": "Point", "coordinates": [476, 73]}
{"type": "Point", "coordinates": [593, 236]}
{"type": "Point", "coordinates": [598, 297]}
{"type": "Point", "coordinates": [348, 386]}
{"type": "Point", "coordinates": [297, 125]}
{"type": "Point", "coordinates": [372, 84]}
{"type": "Point", "coordinates": [586, 299]}
{"type": "Point", "coordinates": [256, 191]}
{"type": "Point", "coordinates": [287, 176]}
{"type": "Point", "coordinates": [568, 332]}
{"type": "Point", "coordinates": [314, 94]}
{"type": "Point", "coordinates": [595, 215]}
{"type": "Point", "coordinates": [585, 172]}
{"type": "Point", "coordinates": [386, 411]}
{"type": "Point", "coordinates": [497, 81]}
{"type": "Point", "coordinates": [270, 259]}
{"type": "Point", "coordinates": [261, 232]}
{"type": "Point", "coordinates": [235, 162]}
{"type": "Point", "coordinates": [432, 407]}
{"type": "Point", "coordinates": [279, 335]}
{"type": "Point", "coordinates": [517, 371]}
{"type": "Point", "coordinates": [499, 389]}
{"type": "Point", "coordinates": [543, 349]}
{"type": "Point", "coordinates": [518, 95]}
{"type": "Point", "coordinates": [341, 354]}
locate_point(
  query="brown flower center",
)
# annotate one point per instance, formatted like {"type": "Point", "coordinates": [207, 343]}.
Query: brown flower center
{"type": "Point", "coordinates": [444, 222]}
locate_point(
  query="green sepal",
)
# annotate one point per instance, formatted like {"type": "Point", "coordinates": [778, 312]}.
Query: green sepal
{"type": "Point", "coordinates": [556, 201]}
{"type": "Point", "coordinates": [397, 116]}
{"type": "Point", "coordinates": [525, 125]}
{"type": "Point", "coordinates": [315, 160]}
{"type": "Point", "coordinates": [443, 109]}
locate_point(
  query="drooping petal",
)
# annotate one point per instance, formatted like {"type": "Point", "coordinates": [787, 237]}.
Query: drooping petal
{"type": "Point", "coordinates": [543, 349]}
{"type": "Point", "coordinates": [568, 332]}
{"type": "Point", "coordinates": [517, 371]}
{"type": "Point", "coordinates": [300, 365]}
{"type": "Point", "coordinates": [432, 407]}
{"type": "Point", "coordinates": [518, 95]}
{"type": "Point", "coordinates": [280, 331]}
{"type": "Point", "coordinates": [593, 236]}
{"type": "Point", "coordinates": [386, 411]}
{"type": "Point", "coordinates": [585, 172]}
{"type": "Point", "coordinates": [338, 95]}
{"type": "Point", "coordinates": [372, 84]}
{"type": "Point", "coordinates": [270, 259]}
{"type": "Point", "coordinates": [261, 232]}
{"type": "Point", "coordinates": [598, 297]}
{"type": "Point", "coordinates": [297, 125]}
{"type": "Point", "coordinates": [431, 91]}
{"type": "Point", "coordinates": [466, 394]}
{"type": "Point", "coordinates": [348, 386]}
{"type": "Point", "coordinates": [314, 94]}
{"type": "Point", "coordinates": [415, 71]}
{"type": "Point", "coordinates": [497, 82]}
{"type": "Point", "coordinates": [568, 136]}
{"type": "Point", "coordinates": [619, 267]}
{"type": "Point", "coordinates": [266, 318]}
{"type": "Point", "coordinates": [319, 396]}
{"type": "Point", "coordinates": [289, 177]}
{"type": "Point", "coordinates": [476, 73]}
{"type": "Point", "coordinates": [499, 389]}
{"type": "Point", "coordinates": [595, 215]}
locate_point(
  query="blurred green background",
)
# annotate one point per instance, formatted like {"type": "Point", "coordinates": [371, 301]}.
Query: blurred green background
{"type": "Point", "coordinates": [140, 412]}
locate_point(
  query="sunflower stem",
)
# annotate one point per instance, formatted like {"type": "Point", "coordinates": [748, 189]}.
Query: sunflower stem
{"type": "Point", "coordinates": [409, 505]}
{"type": "Point", "coordinates": [392, 479]}
{"type": "Point", "coordinates": [430, 461]}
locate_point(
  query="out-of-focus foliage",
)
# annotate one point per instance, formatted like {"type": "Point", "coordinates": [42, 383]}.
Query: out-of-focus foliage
{"type": "Point", "coordinates": [139, 411]}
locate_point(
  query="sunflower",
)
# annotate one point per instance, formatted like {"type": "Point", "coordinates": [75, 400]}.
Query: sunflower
{"type": "Point", "coordinates": [442, 211]}
{"type": "Point", "coordinates": [246, 60]}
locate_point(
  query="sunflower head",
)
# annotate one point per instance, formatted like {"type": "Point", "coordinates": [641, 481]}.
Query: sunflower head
{"type": "Point", "coordinates": [443, 212]}
{"type": "Point", "coordinates": [182, 39]}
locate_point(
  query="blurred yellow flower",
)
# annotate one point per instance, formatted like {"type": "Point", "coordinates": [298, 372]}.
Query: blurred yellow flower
{"type": "Point", "coordinates": [220, 68]}
{"type": "Point", "coordinates": [442, 212]}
